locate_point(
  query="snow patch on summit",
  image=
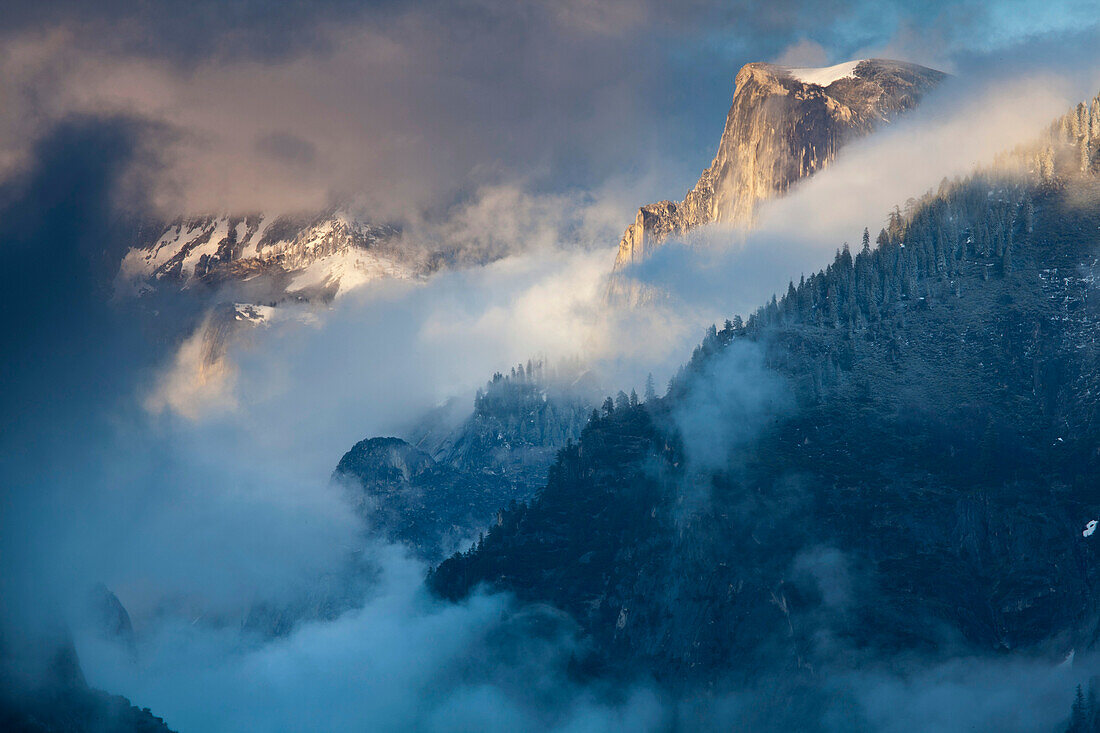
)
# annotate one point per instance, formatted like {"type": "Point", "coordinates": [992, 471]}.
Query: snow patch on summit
{"type": "Point", "coordinates": [348, 270]}
{"type": "Point", "coordinates": [826, 75]}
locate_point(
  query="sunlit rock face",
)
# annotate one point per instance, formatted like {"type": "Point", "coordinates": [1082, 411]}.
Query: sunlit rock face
{"type": "Point", "coordinates": [312, 257]}
{"type": "Point", "coordinates": [785, 124]}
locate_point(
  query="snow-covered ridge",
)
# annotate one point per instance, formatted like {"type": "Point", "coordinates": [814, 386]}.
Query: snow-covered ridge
{"type": "Point", "coordinates": [826, 75]}
{"type": "Point", "coordinates": [327, 254]}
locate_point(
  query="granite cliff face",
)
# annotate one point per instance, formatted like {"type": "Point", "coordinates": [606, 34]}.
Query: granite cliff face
{"type": "Point", "coordinates": [785, 124]}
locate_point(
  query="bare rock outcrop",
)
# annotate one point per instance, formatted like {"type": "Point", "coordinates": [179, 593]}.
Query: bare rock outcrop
{"type": "Point", "coordinates": [784, 125]}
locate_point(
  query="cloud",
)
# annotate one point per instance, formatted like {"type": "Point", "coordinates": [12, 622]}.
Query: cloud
{"type": "Point", "coordinates": [531, 282]}
{"type": "Point", "coordinates": [407, 110]}
{"type": "Point", "coordinates": [59, 241]}
{"type": "Point", "coordinates": [198, 380]}
{"type": "Point", "coordinates": [402, 661]}
{"type": "Point", "coordinates": [288, 148]}
{"type": "Point", "coordinates": [381, 355]}
{"type": "Point", "coordinates": [413, 106]}
{"type": "Point", "coordinates": [92, 488]}
{"type": "Point", "coordinates": [802, 54]}
{"type": "Point", "coordinates": [967, 694]}
{"type": "Point", "coordinates": [726, 405]}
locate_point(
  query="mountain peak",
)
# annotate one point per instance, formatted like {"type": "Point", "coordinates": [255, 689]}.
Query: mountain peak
{"type": "Point", "coordinates": [311, 256]}
{"type": "Point", "coordinates": [784, 125]}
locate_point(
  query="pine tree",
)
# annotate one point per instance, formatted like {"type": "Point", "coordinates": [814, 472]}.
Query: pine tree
{"type": "Point", "coordinates": [622, 402]}
{"type": "Point", "coordinates": [1078, 718]}
{"type": "Point", "coordinates": [650, 390]}
{"type": "Point", "coordinates": [1046, 164]}
{"type": "Point", "coordinates": [1092, 710]}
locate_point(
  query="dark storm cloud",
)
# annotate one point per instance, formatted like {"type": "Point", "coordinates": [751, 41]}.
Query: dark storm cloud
{"type": "Point", "coordinates": [288, 148]}
{"type": "Point", "coordinates": [259, 28]}
{"type": "Point", "coordinates": [413, 105]}
{"type": "Point", "coordinates": [90, 489]}
{"type": "Point", "coordinates": [406, 106]}
{"type": "Point", "coordinates": [66, 357]}
{"type": "Point", "coordinates": [59, 234]}
{"type": "Point", "coordinates": [186, 31]}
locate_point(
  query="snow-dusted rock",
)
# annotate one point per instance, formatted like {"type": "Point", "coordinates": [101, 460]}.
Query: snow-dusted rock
{"type": "Point", "coordinates": [304, 257]}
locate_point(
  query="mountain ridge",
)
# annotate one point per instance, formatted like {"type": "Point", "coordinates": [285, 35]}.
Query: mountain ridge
{"type": "Point", "coordinates": [301, 257]}
{"type": "Point", "coordinates": [924, 491]}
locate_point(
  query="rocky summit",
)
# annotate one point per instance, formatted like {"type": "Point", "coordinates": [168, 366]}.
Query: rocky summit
{"type": "Point", "coordinates": [784, 125]}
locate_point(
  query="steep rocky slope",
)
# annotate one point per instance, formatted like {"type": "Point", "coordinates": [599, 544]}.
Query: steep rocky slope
{"type": "Point", "coordinates": [43, 690]}
{"type": "Point", "coordinates": [302, 257]}
{"type": "Point", "coordinates": [409, 497]}
{"type": "Point", "coordinates": [784, 124]}
{"type": "Point", "coordinates": [899, 456]}
{"type": "Point", "coordinates": [439, 491]}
